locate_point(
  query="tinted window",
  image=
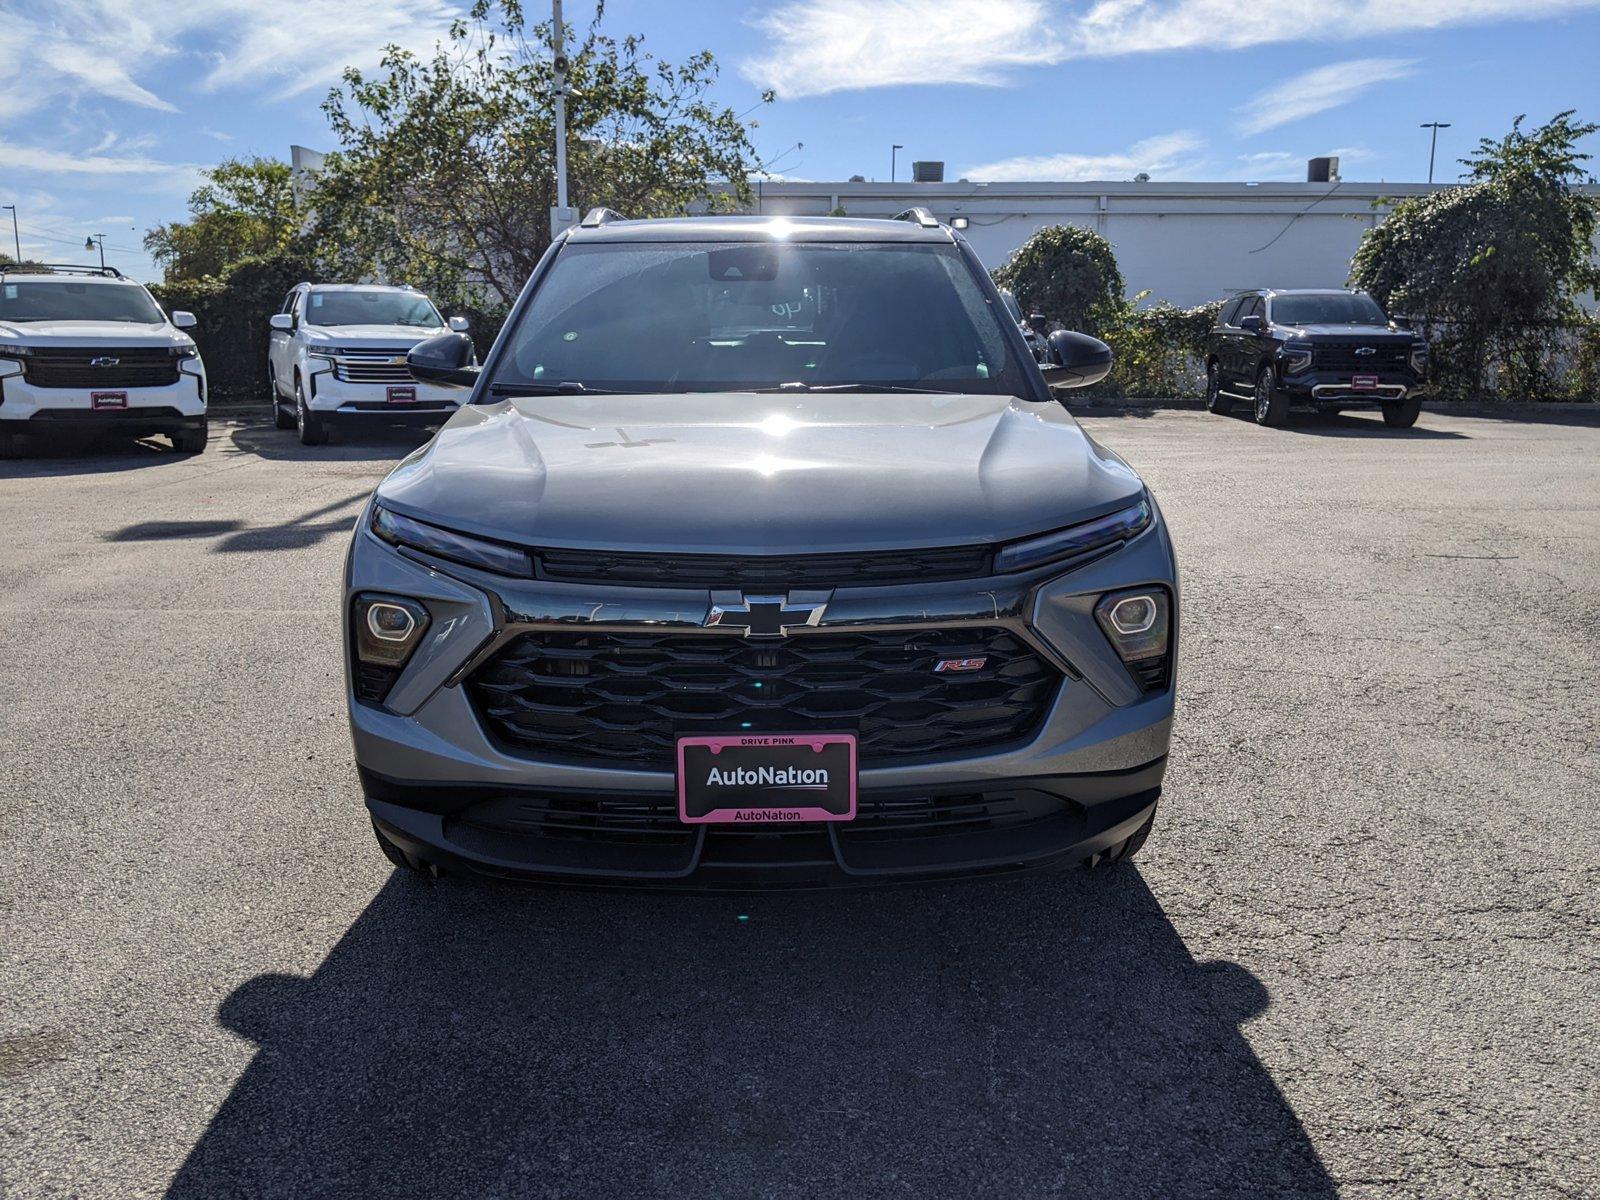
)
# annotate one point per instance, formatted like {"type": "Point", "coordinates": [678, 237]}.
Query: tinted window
{"type": "Point", "coordinates": [1012, 306]}
{"type": "Point", "coordinates": [720, 317]}
{"type": "Point", "coordinates": [1230, 311]}
{"type": "Point", "coordinates": [371, 308]}
{"type": "Point", "coordinates": [62, 300]}
{"type": "Point", "coordinates": [1335, 308]}
{"type": "Point", "coordinates": [1252, 304]}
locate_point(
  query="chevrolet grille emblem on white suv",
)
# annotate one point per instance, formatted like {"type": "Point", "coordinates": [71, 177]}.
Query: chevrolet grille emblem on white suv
{"type": "Point", "coordinates": [765, 616]}
{"type": "Point", "coordinates": [104, 362]}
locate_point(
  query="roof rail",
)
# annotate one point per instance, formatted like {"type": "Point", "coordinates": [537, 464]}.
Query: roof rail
{"type": "Point", "coordinates": [35, 268]}
{"type": "Point", "coordinates": [597, 217]}
{"type": "Point", "coordinates": [920, 215]}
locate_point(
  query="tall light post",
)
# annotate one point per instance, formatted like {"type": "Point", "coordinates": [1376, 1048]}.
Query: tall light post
{"type": "Point", "coordinates": [560, 216]}
{"type": "Point", "coordinates": [894, 150]}
{"type": "Point", "coordinates": [15, 236]}
{"type": "Point", "coordinates": [1434, 144]}
{"type": "Point", "coordinates": [97, 239]}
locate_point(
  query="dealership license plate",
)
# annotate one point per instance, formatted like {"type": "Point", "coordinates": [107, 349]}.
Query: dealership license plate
{"type": "Point", "coordinates": [767, 778]}
{"type": "Point", "coordinates": [105, 401]}
{"type": "Point", "coordinates": [402, 395]}
{"type": "Point", "coordinates": [1364, 383]}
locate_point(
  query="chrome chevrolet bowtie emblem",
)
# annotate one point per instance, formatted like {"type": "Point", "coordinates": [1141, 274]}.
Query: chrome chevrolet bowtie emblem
{"type": "Point", "coordinates": [104, 362]}
{"type": "Point", "coordinates": [765, 616]}
{"type": "Point", "coordinates": [1365, 352]}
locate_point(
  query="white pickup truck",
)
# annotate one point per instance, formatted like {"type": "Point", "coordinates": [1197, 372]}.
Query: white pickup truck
{"type": "Point", "coordinates": [85, 351]}
{"type": "Point", "coordinates": [337, 355]}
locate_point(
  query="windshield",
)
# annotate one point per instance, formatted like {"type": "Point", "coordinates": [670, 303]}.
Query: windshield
{"type": "Point", "coordinates": [1336, 308]}
{"type": "Point", "coordinates": [665, 317]}
{"type": "Point", "coordinates": [65, 300]}
{"type": "Point", "coordinates": [371, 308]}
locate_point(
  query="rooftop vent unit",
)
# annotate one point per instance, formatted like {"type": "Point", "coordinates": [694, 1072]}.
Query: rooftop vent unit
{"type": "Point", "coordinates": [1323, 170]}
{"type": "Point", "coordinates": [927, 172]}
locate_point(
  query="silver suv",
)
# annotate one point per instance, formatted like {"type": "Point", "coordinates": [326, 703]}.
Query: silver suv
{"type": "Point", "coordinates": [761, 555]}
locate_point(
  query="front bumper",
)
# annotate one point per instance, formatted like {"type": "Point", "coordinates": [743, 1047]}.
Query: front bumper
{"type": "Point", "coordinates": [441, 787]}
{"type": "Point", "coordinates": [338, 401]}
{"type": "Point", "coordinates": [1337, 388]}
{"type": "Point", "coordinates": [26, 408]}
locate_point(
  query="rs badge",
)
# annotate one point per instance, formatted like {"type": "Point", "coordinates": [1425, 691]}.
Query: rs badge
{"type": "Point", "coordinates": [959, 664]}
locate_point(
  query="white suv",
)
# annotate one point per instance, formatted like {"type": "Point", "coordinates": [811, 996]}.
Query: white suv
{"type": "Point", "coordinates": [84, 350]}
{"type": "Point", "coordinates": [338, 355]}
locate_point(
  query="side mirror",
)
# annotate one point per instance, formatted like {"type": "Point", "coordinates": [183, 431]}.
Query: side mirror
{"type": "Point", "coordinates": [283, 321]}
{"type": "Point", "coordinates": [1038, 322]}
{"type": "Point", "coordinates": [443, 360]}
{"type": "Point", "coordinates": [1251, 324]}
{"type": "Point", "coordinates": [183, 320]}
{"type": "Point", "coordinates": [1079, 360]}
{"type": "Point", "coordinates": [459, 324]}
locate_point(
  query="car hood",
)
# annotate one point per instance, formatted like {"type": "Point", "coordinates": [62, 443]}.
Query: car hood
{"type": "Point", "coordinates": [760, 474]}
{"type": "Point", "coordinates": [1378, 333]}
{"type": "Point", "coordinates": [374, 336]}
{"type": "Point", "coordinates": [91, 333]}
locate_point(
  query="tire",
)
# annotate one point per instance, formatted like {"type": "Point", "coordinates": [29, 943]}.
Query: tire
{"type": "Point", "coordinates": [1123, 850]}
{"type": "Point", "coordinates": [401, 859]}
{"type": "Point", "coordinates": [281, 418]}
{"type": "Point", "coordinates": [1271, 405]}
{"type": "Point", "coordinates": [191, 441]}
{"type": "Point", "coordinates": [1402, 414]}
{"type": "Point", "coordinates": [1216, 402]}
{"type": "Point", "coordinates": [312, 431]}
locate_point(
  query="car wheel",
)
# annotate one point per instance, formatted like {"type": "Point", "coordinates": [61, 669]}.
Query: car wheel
{"type": "Point", "coordinates": [1402, 414]}
{"type": "Point", "coordinates": [312, 431]}
{"type": "Point", "coordinates": [191, 441]}
{"type": "Point", "coordinates": [281, 417]}
{"type": "Point", "coordinates": [1123, 850]}
{"type": "Point", "coordinates": [1216, 402]}
{"type": "Point", "coordinates": [406, 862]}
{"type": "Point", "coordinates": [1272, 406]}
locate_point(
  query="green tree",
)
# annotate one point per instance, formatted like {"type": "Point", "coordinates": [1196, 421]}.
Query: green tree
{"type": "Point", "coordinates": [246, 208]}
{"type": "Point", "coordinates": [1496, 264]}
{"type": "Point", "coordinates": [1068, 273]}
{"type": "Point", "coordinates": [445, 174]}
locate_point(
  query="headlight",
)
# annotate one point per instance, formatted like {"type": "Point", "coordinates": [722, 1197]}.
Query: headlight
{"type": "Point", "coordinates": [1419, 357]}
{"type": "Point", "coordinates": [1076, 541]}
{"type": "Point", "coordinates": [328, 352]}
{"type": "Point", "coordinates": [1138, 623]}
{"type": "Point", "coordinates": [1295, 359]}
{"type": "Point", "coordinates": [446, 543]}
{"type": "Point", "coordinates": [385, 630]}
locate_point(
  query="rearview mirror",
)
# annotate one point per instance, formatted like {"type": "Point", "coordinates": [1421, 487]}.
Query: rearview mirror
{"type": "Point", "coordinates": [1251, 324]}
{"type": "Point", "coordinates": [459, 324]}
{"type": "Point", "coordinates": [1079, 360]}
{"type": "Point", "coordinates": [283, 321]}
{"type": "Point", "coordinates": [183, 320]}
{"type": "Point", "coordinates": [443, 360]}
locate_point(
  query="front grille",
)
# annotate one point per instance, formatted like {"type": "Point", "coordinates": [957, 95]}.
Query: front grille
{"type": "Point", "coordinates": [71, 368]}
{"type": "Point", "coordinates": [779, 571]}
{"type": "Point", "coordinates": [624, 698]}
{"type": "Point", "coordinates": [377, 367]}
{"type": "Point", "coordinates": [1342, 356]}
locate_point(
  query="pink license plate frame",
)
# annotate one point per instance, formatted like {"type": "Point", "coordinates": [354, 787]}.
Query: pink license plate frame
{"type": "Point", "coordinates": [108, 401]}
{"type": "Point", "coordinates": [775, 803]}
{"type": "Point", "coordinates": [402, 394]}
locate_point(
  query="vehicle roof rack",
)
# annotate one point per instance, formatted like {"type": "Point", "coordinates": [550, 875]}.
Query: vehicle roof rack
{"type": "Point", "coordinates": [42, 268]}
{"type": "Point", "coordinates": [920, 215]}
{"type": "Point", "coordinates": [597, 217]}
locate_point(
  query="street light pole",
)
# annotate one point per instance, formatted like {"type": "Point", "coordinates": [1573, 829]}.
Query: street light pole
{"type": "Point", "coordinates": [561, 216]}
{"type": "Point", "coordinates": [15, 236]}
{"type": "Point", "coordinates": [97, 239]}
{"type": "Point", "coordinates": [1434, 144]}
{"type": "Point", "coordinates": [894, 150]}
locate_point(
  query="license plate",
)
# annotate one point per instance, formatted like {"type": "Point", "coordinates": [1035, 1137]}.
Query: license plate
{"type": "Point", "coordinates": [100, 401]}
{"type": "Point", "coordinates": [402, 395]}
{"type": "Point", "coordinates": [1364, 383]}
{"type": "Point", "coordinates": [767, 778]}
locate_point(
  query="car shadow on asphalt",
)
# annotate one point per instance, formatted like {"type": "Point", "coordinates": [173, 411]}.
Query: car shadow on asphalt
{"type": "Point", "coordinates": [233, 536]}
{"type": "Point", "coordinates": [1045, 1035]}
{"type": "Point", "coordinates": [258, 438]}
{"type": "Point", "coordinates": [1352, 425]}
{"type": "Point", "coordinates": [45, 458]}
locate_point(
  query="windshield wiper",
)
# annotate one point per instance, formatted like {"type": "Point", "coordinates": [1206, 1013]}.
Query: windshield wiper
{"type": "Point", "coordinates": [800, 385]}
{"type": "Point", "coordinates": [569, 387]}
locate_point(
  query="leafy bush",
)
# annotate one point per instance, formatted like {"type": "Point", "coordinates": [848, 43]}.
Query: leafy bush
{"type": "Point", "coordinates": [1070, 275]}
{"type": "Point", "coordinates": [1160, 350]}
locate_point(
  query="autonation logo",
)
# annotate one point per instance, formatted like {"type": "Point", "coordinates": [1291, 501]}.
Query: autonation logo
{"type": "Point", "coordinates": [811, 779]}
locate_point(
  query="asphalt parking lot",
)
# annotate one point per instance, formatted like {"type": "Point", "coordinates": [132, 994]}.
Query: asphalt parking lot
{"type": "Point", "coordinates": [1358, 956]}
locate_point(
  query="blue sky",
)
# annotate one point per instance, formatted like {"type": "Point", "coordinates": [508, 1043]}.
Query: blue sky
{"type": "Point", "coordinates": [108, 108]}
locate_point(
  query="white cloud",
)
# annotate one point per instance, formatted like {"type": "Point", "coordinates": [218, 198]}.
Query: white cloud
{"type": "Point", "coordinates": [824, 46]}
{"type": "Point", "coordinates": [49, 161]}
{"type": "Point", "coordinates": [821, 46]}
{"type": "Point", "coordinates": [1168, 153]}
{"type": "Point", "coordinates": [1317, 91]}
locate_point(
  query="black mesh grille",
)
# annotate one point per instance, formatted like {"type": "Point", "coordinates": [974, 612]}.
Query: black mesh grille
{"type": "Point", "coordinates": [626, 697]}
{"type": "Point", "coordinates": [72, 369]}
{"type": "Point", "coordinates": [1342, 356]}
{"type": "Point", "coordinates": [781, 571]}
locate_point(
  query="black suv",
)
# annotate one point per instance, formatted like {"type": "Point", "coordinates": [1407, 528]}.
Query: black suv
{"type": "Point", "coordinates": [1329, 349]}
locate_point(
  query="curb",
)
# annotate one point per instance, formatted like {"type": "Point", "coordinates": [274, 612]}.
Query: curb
{"type": "Point", "coordinates": [1459, 408]}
